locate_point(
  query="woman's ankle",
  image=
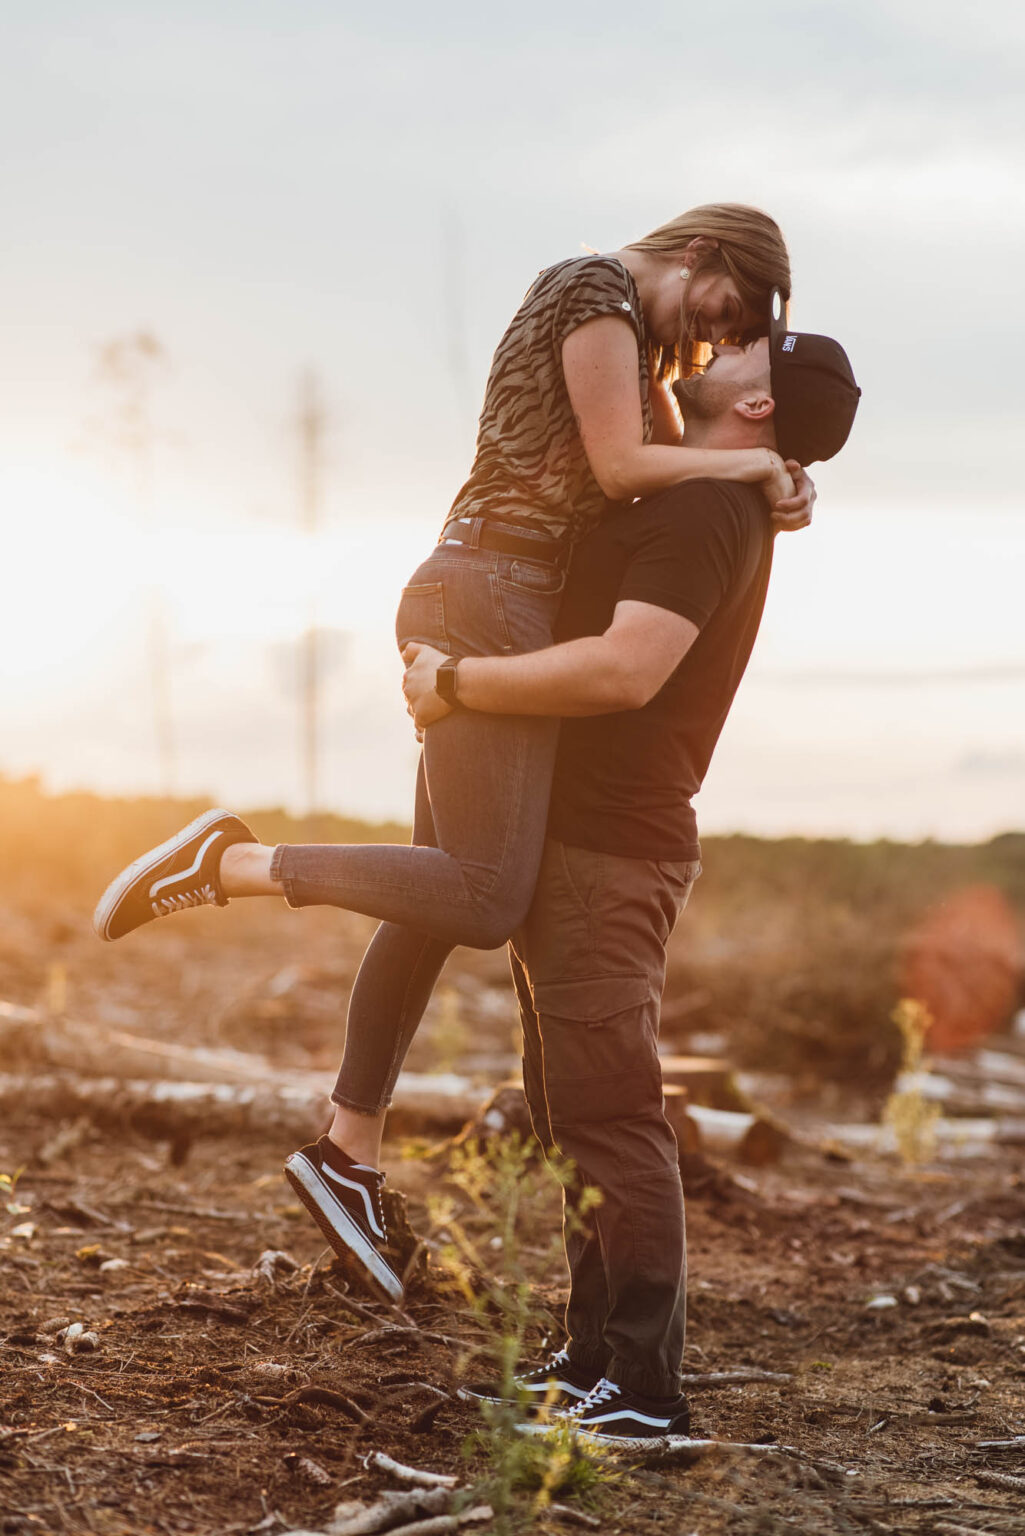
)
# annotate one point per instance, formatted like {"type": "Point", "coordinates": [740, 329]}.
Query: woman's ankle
{"type": "Point", "coordinates": [245, 871]}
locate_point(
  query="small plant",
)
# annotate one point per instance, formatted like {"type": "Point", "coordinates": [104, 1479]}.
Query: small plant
{"type": "Point", "coordinates": [496, 1182]}
{"type": "Point", "coordinates": [8, 1184]}
{"type": "Point", "coordinates": [907, 1111]}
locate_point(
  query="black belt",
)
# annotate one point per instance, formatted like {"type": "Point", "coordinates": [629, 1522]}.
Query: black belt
{"type": "Point", "coordinates": [507, 540]}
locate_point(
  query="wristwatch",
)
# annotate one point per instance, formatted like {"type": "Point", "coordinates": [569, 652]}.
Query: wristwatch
{"type": "Point", "coordinates": [445, 680]}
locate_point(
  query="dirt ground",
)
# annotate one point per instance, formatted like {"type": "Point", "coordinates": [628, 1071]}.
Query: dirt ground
{"type": "Point", "coordinates": [887, 1303]}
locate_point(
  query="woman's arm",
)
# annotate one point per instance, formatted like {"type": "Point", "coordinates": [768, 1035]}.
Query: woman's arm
{"type": "Point", "coordinates": [599, 361]}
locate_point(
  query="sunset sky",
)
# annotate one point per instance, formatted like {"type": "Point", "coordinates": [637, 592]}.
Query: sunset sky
{"type": "Point", "coordinates": [367, 192]}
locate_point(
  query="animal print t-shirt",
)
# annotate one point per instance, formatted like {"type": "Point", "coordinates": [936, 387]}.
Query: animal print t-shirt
{"type": "Point", "coordinates": [530, 464]}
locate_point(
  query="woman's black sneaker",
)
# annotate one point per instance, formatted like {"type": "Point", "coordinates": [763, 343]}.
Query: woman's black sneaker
{"type": "Point", "coordinates": [612, 1416]}
{"type": "Point", "coordinates": [183, 872]}
{"type": "Point", "coordinates": [557, 1384]}
{"type": "Point", "coordinates": [344, 1199]}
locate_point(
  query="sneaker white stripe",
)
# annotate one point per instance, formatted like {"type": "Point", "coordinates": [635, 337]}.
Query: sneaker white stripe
{"type": "Point", "coordinates": [193, 868]}
{"type": "Point", "coordinates": [340, 1178]}
{"type": "Point", "coordinates": [613, 1415]}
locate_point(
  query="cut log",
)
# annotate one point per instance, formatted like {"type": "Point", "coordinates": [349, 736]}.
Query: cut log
{"type": "Point", "coordinates": [676, 1101]}
{"type": "Point", "coordinates": [957, 1099]}
{"type": "Point", "coordinates": [179, 1111]}
{"type": "Point", "coordinates": [750, 1138]}
{"type": "Point", "coordinates": [954, 1138]}
{"type": "Point", "coordinates": [707, 1079]}
{"type": "Point", "coordinates": [983, 1066]}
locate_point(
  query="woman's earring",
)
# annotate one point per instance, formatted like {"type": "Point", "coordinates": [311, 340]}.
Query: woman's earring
{"type": "Point", "coordinates": [685, 274]}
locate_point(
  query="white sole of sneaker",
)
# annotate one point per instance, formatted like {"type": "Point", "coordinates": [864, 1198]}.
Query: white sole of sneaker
{"type": "Point", "coordinates": [654, 1443]}
{"type": "Point", "coordinates": [106, 907]}
{"type": "Point", "coordinates": [337, 1225]}
{"type": "Point", "coordinates": [528, 1400]}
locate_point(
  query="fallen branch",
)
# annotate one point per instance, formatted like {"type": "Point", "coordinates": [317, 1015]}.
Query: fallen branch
{"type": "Point", "coordinates": [678, 1448]}
{"type": "Point", "coordinates": [321, 1396]}
{"type": "Point", "coordinates": [423, 1479]}
{"type": "Point", "coordinates": [442, 1523]}
{"type": "Point", "coordinates": [1000, 1480]}
{"type": "Point", "coordinates": [391, 1510]}
{"type": "Point", "coordinates": [573, 1516]}
{"type": "Point", "coordinates": [947, 1528]}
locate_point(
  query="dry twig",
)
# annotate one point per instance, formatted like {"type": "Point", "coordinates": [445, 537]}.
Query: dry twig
{"type": "Point", "coordinates": [398, 1469]}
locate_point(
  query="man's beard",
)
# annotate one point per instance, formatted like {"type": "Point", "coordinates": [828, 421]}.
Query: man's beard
{"type": "Point", "coordinates": [702, 397]}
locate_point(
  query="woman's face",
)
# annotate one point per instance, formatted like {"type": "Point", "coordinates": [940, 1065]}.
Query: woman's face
{"type": "Point", "coordinates": [712, 303]}
{"type": "Point", "coordinates": [715, 308]}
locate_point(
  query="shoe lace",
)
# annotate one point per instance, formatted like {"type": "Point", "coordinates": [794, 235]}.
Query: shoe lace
{"type": "Point", "coordinates": [555, 1363]}
{"type": "Point", "coordinates": [379, 1205]}
{"type": "Point", "coordinates": [201, 896]}
{"type": "Point", "coordinates": [603, 1391]}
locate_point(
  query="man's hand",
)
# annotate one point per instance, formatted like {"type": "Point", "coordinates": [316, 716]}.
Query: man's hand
{"type": "Point", "coordinates": [794, 511]}
{"type": "Point", "coordinates": [422, 663]}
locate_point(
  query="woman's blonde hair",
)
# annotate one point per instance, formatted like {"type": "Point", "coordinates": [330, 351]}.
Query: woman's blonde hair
{"type": "Point", "coordinates": [749, 247]}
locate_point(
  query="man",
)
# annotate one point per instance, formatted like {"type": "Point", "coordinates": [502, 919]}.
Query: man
{"type": "Point", "coordinates": [661, 612]}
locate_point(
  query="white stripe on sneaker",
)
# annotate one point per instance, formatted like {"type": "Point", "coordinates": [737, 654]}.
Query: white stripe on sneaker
{"type": "Point", "coordinates": [662, 1421]}
{"type": "Point", "coordinates": [339, 1178]}
{"type": "Point", "coordinates": [193, 868]}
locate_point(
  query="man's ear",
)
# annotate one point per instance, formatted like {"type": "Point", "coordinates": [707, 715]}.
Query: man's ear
{"type": "Point", "coordinates": [756, 407]}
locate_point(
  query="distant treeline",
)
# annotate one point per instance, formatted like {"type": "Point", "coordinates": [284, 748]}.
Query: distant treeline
{"type": "Point", "coordinates": [796, 948]}
{"type": "Point", "coordinates": [75, 834]}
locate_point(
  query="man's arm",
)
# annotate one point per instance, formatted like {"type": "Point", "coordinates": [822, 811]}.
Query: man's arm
{"type": "Point", "coordinates": [595, 675]}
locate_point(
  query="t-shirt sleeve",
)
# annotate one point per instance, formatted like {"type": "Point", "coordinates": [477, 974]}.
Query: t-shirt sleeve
{"type": "Point", "coordinates": [686, 555]}
{"type": "Point", "coordinates": [590, 288]}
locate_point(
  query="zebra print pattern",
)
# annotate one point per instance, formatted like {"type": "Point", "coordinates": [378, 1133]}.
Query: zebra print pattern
{"type": "Point", "coordinates": [530, 464]}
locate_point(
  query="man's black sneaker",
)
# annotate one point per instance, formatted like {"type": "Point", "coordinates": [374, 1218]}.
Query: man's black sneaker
{"type": "Point", "coordinates": [612, 1416]}
{"type": "Point", "coordinates": [344, 1199]}
{"type": "Point", "coordinates": [557, 1384]}
{"type": "Point", "coordinates": [183, 872]}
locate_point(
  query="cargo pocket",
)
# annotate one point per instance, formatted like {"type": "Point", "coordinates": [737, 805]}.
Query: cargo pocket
{"type": "Point", "coordinates": [600, 1049]}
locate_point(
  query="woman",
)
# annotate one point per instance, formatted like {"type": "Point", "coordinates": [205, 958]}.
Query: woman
{"type": "Point", "coordinates": [575, 417]}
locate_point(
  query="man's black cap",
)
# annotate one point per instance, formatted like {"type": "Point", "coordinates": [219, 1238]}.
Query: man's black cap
{"type": "Point", "coordinates": [813, 388]}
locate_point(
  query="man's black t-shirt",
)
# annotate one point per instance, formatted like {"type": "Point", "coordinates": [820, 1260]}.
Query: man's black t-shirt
{"type": "Point", "coordinates": [623, 782]}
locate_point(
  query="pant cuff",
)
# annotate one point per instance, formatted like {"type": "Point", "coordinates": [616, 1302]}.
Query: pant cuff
{"type": "Point", "coordinates": [358, 1109]}
{"type": "Point", "coordinates": [277, 872]}
{"type": "Point", "coordinates": [637, 1379]}
{"type": "Point", "coordinates": [588, 1356]}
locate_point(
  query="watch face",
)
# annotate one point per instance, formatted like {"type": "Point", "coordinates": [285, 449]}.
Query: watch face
{"type": "Point", "coordinates": [445, 681]}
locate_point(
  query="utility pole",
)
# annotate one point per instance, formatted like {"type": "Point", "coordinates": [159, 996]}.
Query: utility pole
{"type": "Point", "coordinates": [127, 366]}
{"type": "Point", "coordinates": [311, 424]}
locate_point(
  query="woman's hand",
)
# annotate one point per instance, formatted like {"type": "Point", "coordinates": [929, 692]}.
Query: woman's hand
{"type": "Point", "coordinates": [422, 663]}
{"type": "Point", "coordinates": [793, 511]}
